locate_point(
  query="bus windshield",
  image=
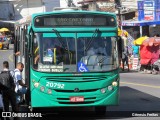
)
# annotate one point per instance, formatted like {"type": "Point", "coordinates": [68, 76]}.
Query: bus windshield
{"type": "Point", "coordinates": [74, 53]}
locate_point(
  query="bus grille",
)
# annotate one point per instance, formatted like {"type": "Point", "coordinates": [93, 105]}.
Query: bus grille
{"type": "Point", "coordinates": [75, 78]}
{"type": "Point", "coordinates": [70, 91]}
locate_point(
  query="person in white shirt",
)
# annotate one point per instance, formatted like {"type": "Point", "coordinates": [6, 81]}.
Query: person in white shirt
{"type": "Point", "coordinates": [21, 88]}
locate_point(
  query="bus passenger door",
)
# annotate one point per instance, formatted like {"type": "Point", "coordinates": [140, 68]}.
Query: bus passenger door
{"type": "Point", "coordinates": [27, 55]}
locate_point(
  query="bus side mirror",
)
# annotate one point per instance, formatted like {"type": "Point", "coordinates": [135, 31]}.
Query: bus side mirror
{"type": "Point", "coordinates": [29, 40]}
{"type": "Point", "coordinates": [29, 29]}
{"type": "Point", "coordinates": [28, 36]}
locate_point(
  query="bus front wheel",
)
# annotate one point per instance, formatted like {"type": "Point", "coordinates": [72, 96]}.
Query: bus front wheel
{"type": "Point", "coordinates": [100, 110]}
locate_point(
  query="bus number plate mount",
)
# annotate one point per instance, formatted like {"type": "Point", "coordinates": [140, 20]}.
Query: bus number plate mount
{"type": "Point", "coordinates": [77, 99]}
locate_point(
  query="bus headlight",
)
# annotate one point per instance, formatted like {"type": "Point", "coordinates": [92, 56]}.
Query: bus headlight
{"type": "Point", "coordinates": [42, 89]}
{"type": "Point", "coordinates": [36, 84]}
{"type": "Point", "coordinates": [103, 90]}
{"type": "Point", "coordinates": [114, 84]}
{"type": "Point", "coordinates": [49, 91]}
{"type": "Point", "coordinates": [110, 88]}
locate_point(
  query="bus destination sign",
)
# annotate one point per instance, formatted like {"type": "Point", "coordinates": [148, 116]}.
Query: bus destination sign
{"type": "Point", "coordinates": [74, 20]}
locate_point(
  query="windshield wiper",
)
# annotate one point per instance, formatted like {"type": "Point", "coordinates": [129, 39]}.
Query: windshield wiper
{"type": "Point", "coordinates": [59, 38]}
{"type": "Point", "coordinates": [90, 41]}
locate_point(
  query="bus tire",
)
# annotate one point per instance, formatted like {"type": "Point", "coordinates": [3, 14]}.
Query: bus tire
{"type": "Point", "coordinates": [100, 110]}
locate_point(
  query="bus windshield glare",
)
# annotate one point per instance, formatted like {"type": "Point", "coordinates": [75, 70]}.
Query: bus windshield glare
{"type": "Point", "coordinates": [71, 54]}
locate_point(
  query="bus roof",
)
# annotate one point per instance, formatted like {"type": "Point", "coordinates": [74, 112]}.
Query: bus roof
{"type": "Point", "coordinates": [72, 11]}
{"type": "Point", "coordinates": [59, 11]}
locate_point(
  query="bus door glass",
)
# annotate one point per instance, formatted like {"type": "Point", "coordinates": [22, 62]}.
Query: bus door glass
{"type": "Point", "coordinates": [96, 52]}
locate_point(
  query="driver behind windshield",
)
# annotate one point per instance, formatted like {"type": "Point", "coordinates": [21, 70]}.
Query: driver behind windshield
{"type": "Point", "coordinates": [97, 48]}
{"type": "Point", "coordinates": [95, 54]}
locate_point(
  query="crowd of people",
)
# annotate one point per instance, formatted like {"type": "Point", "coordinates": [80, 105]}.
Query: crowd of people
{"type": "Point", "coordinates": [144, 66]}
{"type": "Point", "coordinates": [12, 88]}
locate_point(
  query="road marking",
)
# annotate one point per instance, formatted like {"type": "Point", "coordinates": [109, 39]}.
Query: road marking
{"type": "Point", "coordinates": [11, 57]}
{"type": "Point", "coordinates": [145, 85]}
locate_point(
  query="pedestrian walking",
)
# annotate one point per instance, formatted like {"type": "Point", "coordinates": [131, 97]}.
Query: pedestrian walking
{"type": "Point", "coordinates": [7, 87]}
{"type": "Point", "coordinates": [21, 88]}
{"type": "Point", "coordinates": [125, 55]}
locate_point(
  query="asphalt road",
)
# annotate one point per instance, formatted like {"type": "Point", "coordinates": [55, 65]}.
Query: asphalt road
{"type": "Point", "coordinates": [7, 55]}
{"type": "Point", "coordinates": [139, 96]}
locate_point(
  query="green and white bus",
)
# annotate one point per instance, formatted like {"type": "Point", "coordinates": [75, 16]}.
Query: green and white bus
{"type": "Point", "coordinates": [70, 58]}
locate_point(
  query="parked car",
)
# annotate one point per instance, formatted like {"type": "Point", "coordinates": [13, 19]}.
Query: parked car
{"type": "Point", "coordinates": [4, 43]}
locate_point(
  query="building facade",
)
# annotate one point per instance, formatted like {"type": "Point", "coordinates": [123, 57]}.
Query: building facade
{"type": "Point", "coordinates": [18, 9]}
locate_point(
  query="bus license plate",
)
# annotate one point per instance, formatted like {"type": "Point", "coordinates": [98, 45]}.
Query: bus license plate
{"type": "Point", "coordinates": [77, 99]}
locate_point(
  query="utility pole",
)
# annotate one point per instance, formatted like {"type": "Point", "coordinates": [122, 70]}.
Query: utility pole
{"type": "Point", "coordinates": [93, 5]}
{"type": "Point", "coordinates": [118, 6]}
{"type": "Point", "coordinates": [120, 18]}
{"type": "Point", "coordinates": [71, 4]}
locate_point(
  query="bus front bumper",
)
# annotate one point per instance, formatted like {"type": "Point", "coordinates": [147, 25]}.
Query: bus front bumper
{"type": "Point", "coordinates": [40, 99]}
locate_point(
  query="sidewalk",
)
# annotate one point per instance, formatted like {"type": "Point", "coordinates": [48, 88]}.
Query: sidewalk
{"type": "Point", "coordinates": [137, 71]}
{"type": "Point", "coordinates": [126, 71]}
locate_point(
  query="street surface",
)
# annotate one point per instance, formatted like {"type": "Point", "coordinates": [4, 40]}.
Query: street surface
{"type": "Point", "coordinates": [139, 95]}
